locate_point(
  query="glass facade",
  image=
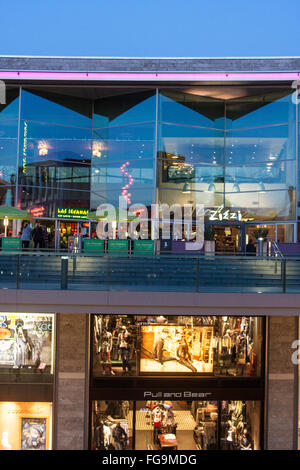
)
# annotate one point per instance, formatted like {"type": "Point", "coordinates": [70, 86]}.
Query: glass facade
{"type": "Point", "coordinates": [177, 345]}
{"type": "Point", "coordinates": [230, 147]}
{"type": "Point", "coordinates": [236, 143]}
{"type": "Point", "coordinates": [176, 425]}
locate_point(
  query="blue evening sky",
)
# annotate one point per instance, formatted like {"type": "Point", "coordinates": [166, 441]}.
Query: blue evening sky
{"type": "Point", "coordinates": [150, 28]}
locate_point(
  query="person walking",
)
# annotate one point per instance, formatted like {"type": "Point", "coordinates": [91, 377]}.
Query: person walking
{"type": "Point", "coordinates": [26, 236]}
{"type": "Point", "coordinates": [38, 237]}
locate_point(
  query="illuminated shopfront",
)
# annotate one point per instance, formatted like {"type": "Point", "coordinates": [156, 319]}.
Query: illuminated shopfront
{"type": "Point", "coordinates": [27, 346]}
{"type": "Point", "coordinates": [231, 148]}
{"type": "Point", "coordinates": [25, 426]}
{"type": "Point", "coordinates": [180, 382]}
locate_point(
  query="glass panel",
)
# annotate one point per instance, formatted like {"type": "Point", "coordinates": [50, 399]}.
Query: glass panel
{"type": "Point", "coordinates": [177, 345]}
{"type": "Point", "coordinates": [258, 107]}
{"type": "Point", "coordinates": [7, 195]}
{"type": "Point", "coordinates": [263, 205]}
{"type": "Point", "coordinates": [211, 196]}
{"type": "Point", "coordinates": [268, 144]}
{"type": "Point", "coordinates": [48, 199]}
{"type": "Point", "coordinates": [185, 144]}
{"type": "Point", "coordinates": [40, 142]}
{"type": "Point", "coordinates": [240, 425]}
{"type": "Point", "coordinates": [53, 174]}
{"type": "Point", "coordinates": [123, 106]}
{"type": "Point", "coordinates": [136, 196]}
{"type": "Point", "coordinates": [25, 426]}
{"type": "Point", "coordinates": [191, 107]}
{"type": "Point", "coordinates": [112, 425]}
{"type": "Point", "coordinates": [26, 347]}
{"type": "Point", "coordinates": [55, 107]}
{"type": "Point", "coordinates": [285, 233]}
{"type": "Point", "coordinates": [9, 113]}
{"type": "Point", "coordinates": [112, 175]}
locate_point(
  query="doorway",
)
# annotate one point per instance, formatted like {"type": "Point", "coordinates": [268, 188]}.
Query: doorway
{"type": "Point", "coordinates": [228, 238]}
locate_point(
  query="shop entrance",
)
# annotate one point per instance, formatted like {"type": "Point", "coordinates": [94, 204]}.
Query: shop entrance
{"type": "Point", "coordinates": [229, 237]}
{"type": "Point", "coordinates": [68, 230]}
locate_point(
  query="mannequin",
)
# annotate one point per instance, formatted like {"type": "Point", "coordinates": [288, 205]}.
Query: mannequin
{"type": "Point", "coordinates": [119, 436]}
{"type": "Point", "coordinates": [21, 344]}
{"type": "Point", "coordinates": [105, 350]}
{"type": "Point", "coordinates": [184, 356]}
{"type": "Point", "coordinates": [245, 441]}
{"type": "Point", "coordinates": [157, 419]}
{"type": "Point", "coordinates": [124, 348]}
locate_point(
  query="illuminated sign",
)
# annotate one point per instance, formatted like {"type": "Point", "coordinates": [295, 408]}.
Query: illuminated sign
{"type": "Point", "coordinates": [37, 211]}
{"type": "Point", "coordinates": [71, 213]}
{"type": "Point", "coordinates": [223, 214]}
{"type": "Point", "coordinates": [25, 132]}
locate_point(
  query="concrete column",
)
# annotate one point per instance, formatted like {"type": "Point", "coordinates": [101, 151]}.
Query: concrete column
{"type": "Point", "coordinates": [70, 387]}
{"type": "Point", "coordinates": [282, 391]}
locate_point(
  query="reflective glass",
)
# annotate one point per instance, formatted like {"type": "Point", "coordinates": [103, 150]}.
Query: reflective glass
{"type": "Point", "coordinates": [55, 107]}
{"type": "Point", "coordinates": [53, 174]}
{"type": "Point", "coordinates": [259, 107]}
{"type": "Point", "coordinates": [124, 106]}
{"type": "Point", "coordinates": [274, 174]}
{"type": "Point", "coordinates": [9, 113]}
{"type": "Point", "coordinates": [43, 142]}
{"type": "Point", "coordinates": [7, 195]}
{"type": "Point", "coordinates": [48, 199]}
{"type": "Point", "coordinates": [261, 144]}
{"type": "Point", "coordinates": [99, 196]}
{"type": "Point", "coordinates": [264, 204]}
{"type": "Point", "coordinates": [191, 144]}
{"type": "Point", "coordinates": [191, 106]}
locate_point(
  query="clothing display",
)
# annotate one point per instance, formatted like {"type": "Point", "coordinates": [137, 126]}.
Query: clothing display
{"type": "Point", "coordinates": [224, 345]}
{"type": "Point", "coordinates": [25, 341]}
{"type": "Point", "coordinates": [111, 425]}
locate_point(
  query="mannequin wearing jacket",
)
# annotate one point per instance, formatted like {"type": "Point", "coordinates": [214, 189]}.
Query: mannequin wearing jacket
{"type": "Point", "coordinates": [105, 350]}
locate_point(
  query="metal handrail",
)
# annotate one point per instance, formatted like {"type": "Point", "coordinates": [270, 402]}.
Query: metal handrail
{"type": "Point", "coordinates": [276, 248]}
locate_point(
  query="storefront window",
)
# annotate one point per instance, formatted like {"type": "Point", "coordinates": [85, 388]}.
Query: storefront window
{"type": "Point", "coordinates": [112, 425]}
{"type": "Point", "coordinates": [26, 347]}
{"type": "Point", "coordinates": [240, 428]}
{"type": "Point", "coordinates": [25, 426]}
{"type": "Point", "coordinates": [176, 425]}
{"type": "Point", "coordinates": [177, 345]}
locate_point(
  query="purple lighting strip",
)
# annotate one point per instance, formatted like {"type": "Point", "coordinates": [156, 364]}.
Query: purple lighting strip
{"type": "Point", "coordinates": [149, 76]}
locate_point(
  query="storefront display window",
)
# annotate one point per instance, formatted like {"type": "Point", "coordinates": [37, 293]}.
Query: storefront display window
{"type": "Point", "coordinates": [177, 345]}
{"type": "Point", "coordinates": [176, 425]}
{"type": "Point", "coordinates": [25, 426]}
{"type": "Point", "coordinates": [112, 425]}
{"type": "Point", "coordinates": [26, 346]}
{"type": "Point", "coordinates": [240, 425]}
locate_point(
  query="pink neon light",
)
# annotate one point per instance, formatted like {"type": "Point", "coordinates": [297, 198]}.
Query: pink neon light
{"type": "Point", "coordinates": [125, 188]}
{"type": "Point", "coordinates": [148, 76]}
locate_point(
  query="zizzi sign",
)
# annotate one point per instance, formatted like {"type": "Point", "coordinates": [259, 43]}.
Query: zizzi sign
{"type": "Point", "coordinates": [186, 394]}
{"type": "Point", "coordinates": [71, 213]}
{"type": "Point", "coordinates": [223, 214]}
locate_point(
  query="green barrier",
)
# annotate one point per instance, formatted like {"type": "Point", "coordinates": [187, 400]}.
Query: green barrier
{"type": "Point", "coordinates": [117, 247]}
{"type": "Point", "coordinates": [143, 247]}
{"type": "Point", "coordinates": [11, 244]}
{"type": "Point", "coordinates": [93, 245]}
